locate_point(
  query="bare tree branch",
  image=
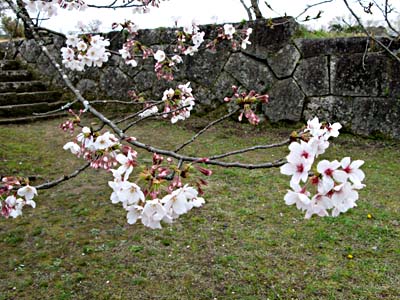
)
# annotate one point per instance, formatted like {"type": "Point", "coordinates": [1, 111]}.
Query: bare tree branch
{"type": "Point", "coordinates": [311, 6]}
{"type": "Point", "coordinates": [385, 12]}
{"type": "Point", "coordinates": [248, 11]}
{"type": "Point", "coordinates": [369, 35]}
{"type": "Point", "coordinates": [256, 9]}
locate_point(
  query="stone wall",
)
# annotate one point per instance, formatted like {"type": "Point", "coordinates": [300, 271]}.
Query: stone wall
{"type": "Point", "coordinates": [334, 79]}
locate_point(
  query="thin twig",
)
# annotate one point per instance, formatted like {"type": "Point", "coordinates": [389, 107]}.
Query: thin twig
{"type": "Point", "coordinates": [365, 54]}
{"type": "Point", "coordinates": [205, 129]}
{"type": "Point", "coordinates": [62, 108]}
{"type": "Point", "coordinates": [161, 114]}
{"type": "Point", "coordinates": [311, 6]}
{"type": "Point", "coordinates": [248, 11]}
{"type": "Point", "coordinates": [134, 115]}
{"type": "Point", "coordinates": [253, 148]}
{"type": "Point", "coordinates": [99, 101]}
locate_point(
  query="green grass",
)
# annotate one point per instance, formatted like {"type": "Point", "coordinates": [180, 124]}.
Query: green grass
{"type": "Point", "coordinates": [245, 243]}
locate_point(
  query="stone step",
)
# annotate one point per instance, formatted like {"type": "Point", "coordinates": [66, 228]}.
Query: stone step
{"type": "Point", "coordinates": [30, 97]}
{"type": "Point", "coordinates": [26, 110]}
{"type": "Point", "coordinates": [9, 65]}
{"type": "Point", "coordinates": [22, 86]}
{"type": "Point", "coordinates": [15, 75]}
{"type": "Point", "coordinates": [4, 121]}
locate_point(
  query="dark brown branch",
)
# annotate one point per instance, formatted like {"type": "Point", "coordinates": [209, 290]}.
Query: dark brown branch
{"type": "Point", "coordinates": [53, 183]}
{"type": "Point", "coordinates": [114, 5]}
{"type": "Point", "coordinates": [385, 12]}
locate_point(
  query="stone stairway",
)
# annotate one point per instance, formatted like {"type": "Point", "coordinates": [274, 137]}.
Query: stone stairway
{"type": "Point", "coordinates": [21, 96]}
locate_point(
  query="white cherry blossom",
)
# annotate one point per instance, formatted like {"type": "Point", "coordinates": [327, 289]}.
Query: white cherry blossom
{"type": "Point", "coordinates": [28, 192]}
{"type": "Point", "coordinates": [153, 213]}
{"type": "Point", "coordinates": [159, 56]}
{"type": "Point", "coordinates": [229, 30]}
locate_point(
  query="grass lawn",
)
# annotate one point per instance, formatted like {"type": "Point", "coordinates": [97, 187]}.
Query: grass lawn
{"type": "Point", "coordinates": [245, 243]}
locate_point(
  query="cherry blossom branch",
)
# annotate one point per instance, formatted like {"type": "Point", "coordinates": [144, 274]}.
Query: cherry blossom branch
{"type": "Point", "coordinates": [114, 5]}
{"type": "Point", "coordinates": [161, 114]}
{"type": "Point", "coordinates": [119, 132]}
{"type": "Point", "coordinates": [105, 101]}
{"type": "Point", "coordinates": [126, 4]}
{"type": "Point", "coordinates": [205, 129]}
{"type": "Point", "coordinates": [134, 115]}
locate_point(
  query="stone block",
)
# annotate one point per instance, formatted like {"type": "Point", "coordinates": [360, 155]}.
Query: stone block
{"type": "Point", "coordinates": [330, 46]}
{"type": "Point", "coordinates": [30, 51]}
{"type": "Point", "coordinates": [204, 67]}
{"type": "Point", "coordinates": [373, 116]}
{"type": "Point", "coordinates": [223, 87]}
{"type": "Point", "coordinates": [285, 102]}
{"type": "Point", "coordinates": [284, 61]}
{"type": "Point", "coordinates": [250, 73]}
{"type": "Point", "coordinates": [115, 83]}
{"type": "Point", "coordinates": [354, 75]}
{"type": "Point", "coordinates": [360, 115]}
{"type": "Point", "coordinates": [270, 35]}
{"type": "Point", "coordinates": [312, 74]}
{"type": "Point", "coordinates": [330, 109]}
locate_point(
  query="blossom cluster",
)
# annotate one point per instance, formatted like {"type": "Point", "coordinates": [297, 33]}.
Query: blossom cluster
{"type": "Point", "coordinates": [85, 51]}
{"type": "Point", "coordinates": [335, 183]}
{"type": "Point", "coordinates": [178, 103]}
{"type": "Point", "coordinates": [236, 37]}
{"type": "Point", "coordinates": [100, 150]}
{"type": "Point", "coordinates": [190, 33]}
{"type": "Point", "coordinates": [132, 47]}
{"type": "Point", "coordinates": [10, 204]}
{"type": "Point", "coordinates": [145, 6]}
{"type": "Point", "coordinates": [104, 151]}
{"type": "Point", "coordinates": [247, 102]}
{"type": "Point", "coordinates": [152, 212]}
{"type": "Point", "coordinates": [164, 66]}
{"type": "Point", "coordinates": [49, 7]}
{"type": "Point", "coordinates": [178, 199]}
